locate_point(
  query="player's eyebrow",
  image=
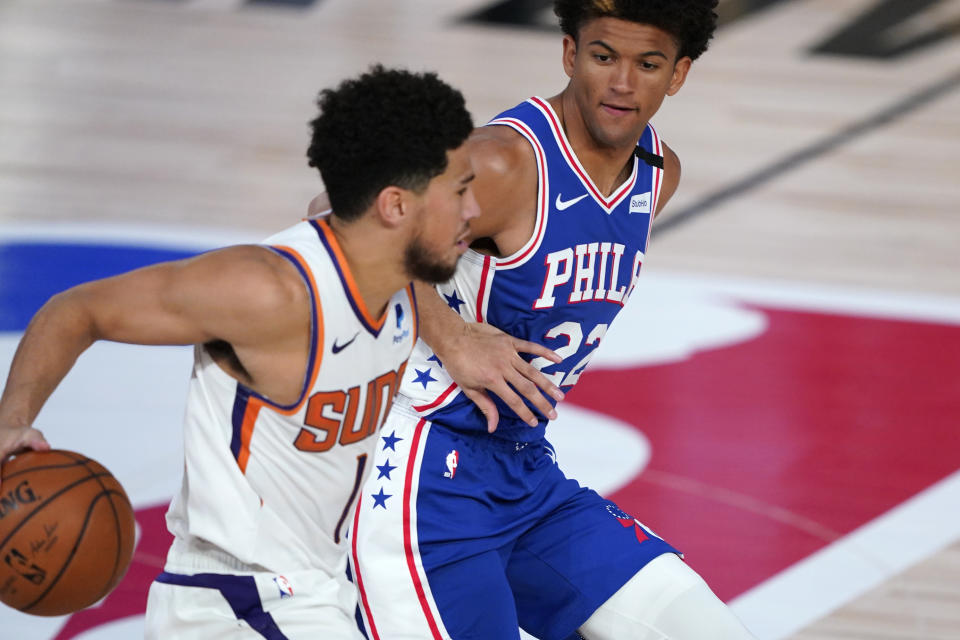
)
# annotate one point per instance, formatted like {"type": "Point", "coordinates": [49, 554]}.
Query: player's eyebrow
{"type": "Point", "coordinates": [653, 52]}
{"type": "Point", "coordinates": [468, 178]}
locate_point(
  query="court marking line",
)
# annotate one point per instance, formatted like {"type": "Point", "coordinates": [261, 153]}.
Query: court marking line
{"type": "Point", "coordinates": [812, 151]}
{"type": "Point", "coordinates": [862, 560]}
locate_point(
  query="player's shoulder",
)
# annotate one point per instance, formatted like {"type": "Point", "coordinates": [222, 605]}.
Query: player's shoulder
{"type": "Point", "coordinates": [500, 151]}
{"type": "Point", "coordinates": [267, 279]}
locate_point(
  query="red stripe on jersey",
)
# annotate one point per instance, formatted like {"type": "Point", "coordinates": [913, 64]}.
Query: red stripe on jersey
{"type": "Point", "coordinates": [481, 292]}
{"type": "Point", "coordinates": [543, 202]}
{"type": "Point", "coordinates": [657, 173]}
{"type": "Point", "coordinates": [574, 162]}
{"type": "Point", "coordinates": [443, 396]}
{"type": "Point", "coordinates": [407, 538]}
{"type": "Point", "coordinates": [356, 572]}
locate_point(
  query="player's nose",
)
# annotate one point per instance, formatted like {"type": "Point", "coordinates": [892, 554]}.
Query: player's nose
{"type": "Point", "coordinates": [471, 209]}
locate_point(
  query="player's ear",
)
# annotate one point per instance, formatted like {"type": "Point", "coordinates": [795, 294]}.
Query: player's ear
{"type": "Point", "coordinates": [391, 205]}
{"type": "Point", "coordinates": [680, 70]}
{"type": "Point", "coordinates": [569, 54]}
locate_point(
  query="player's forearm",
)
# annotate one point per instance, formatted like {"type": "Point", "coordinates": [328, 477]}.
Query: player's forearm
{"type": "Point", "coordinates": [439, 324]}
{"type": "Point", "coordinates": [53, 341]}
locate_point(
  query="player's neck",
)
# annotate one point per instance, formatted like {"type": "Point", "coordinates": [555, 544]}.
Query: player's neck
{"type": "Point", "coordinates": [608, 166]}
{"type": "Point", "coordinates": [374, 259]}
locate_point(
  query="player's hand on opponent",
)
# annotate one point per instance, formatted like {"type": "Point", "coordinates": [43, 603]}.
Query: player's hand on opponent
{"type": "Point", "coordinates": [485, 358]}
{"type": "Point", "coordinates": [17, 439]}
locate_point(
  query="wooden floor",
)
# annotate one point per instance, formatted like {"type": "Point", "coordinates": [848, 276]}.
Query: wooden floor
{"type": "Point", "coordinates": [823, 169]}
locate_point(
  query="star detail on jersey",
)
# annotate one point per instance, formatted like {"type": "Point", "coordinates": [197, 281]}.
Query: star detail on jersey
{"type": "Point", "coordinates": [566, 204]}
{"type": "Point", "coordinates": [385, 470]}
{"type": "Point", "coordinates": [424, 377]}
{"type": "Point", "coordinates": [454, 301]}
{"type": "Point", "coordinates": [390, 441]}
{"type": "Point", "coordinates": [434, 358]}
{"type": "Point", "coordinates": [380, 499]}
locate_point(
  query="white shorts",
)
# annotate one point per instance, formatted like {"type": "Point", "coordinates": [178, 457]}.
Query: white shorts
{"type": "Point", "coordinates": [224, 602]}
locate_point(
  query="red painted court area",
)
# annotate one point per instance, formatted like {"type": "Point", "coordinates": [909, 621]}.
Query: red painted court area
{"type": "Point", "coordinates": [765, 451]}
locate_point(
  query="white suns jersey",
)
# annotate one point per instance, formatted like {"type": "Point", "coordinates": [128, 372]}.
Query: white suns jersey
{"type": "Point", "coordinates": [271, 485]}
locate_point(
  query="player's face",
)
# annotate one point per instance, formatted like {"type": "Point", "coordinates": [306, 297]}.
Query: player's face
{"type": "Point", "coordinates": [620, 72]}
{"type": "Point", "coordinates": [442, 235]}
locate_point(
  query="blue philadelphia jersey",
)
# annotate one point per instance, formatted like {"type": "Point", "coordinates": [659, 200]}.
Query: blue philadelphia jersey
{"type": "Point", "coordinates": [563, 288]}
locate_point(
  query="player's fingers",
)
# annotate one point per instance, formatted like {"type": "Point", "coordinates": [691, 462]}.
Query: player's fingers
{"type": "Point", "coordinates": [36, 441]}
{"type": "Point", "coordinates": [532, 393]}
{"type": "Point", "coordinates": [524, 346]}
{"type": "Point", "coordinates": [535, 376]}
{"type": "Point", "coordinates": [506, 393]}
{"type": "Point", "coordinates": [487, 407]}
{"type": "Point", "coordinates": [29, 439]}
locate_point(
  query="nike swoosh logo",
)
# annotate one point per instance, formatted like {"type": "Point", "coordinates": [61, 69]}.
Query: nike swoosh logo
{"type": "Point", "coordinates": [563, 204]}
{"type": "Point", "coordinates": [337, 348]}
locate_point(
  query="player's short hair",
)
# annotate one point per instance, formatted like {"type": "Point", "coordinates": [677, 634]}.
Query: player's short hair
{"type": "Point", "coordinates": [690, 22]}
{"type": "Point", "coordinates": [387, 127]}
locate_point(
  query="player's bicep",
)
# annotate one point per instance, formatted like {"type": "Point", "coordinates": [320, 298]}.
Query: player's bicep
{"type": "Point", "coordinates": [217, 295]}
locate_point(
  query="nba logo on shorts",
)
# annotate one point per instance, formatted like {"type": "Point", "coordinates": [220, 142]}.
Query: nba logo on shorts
{"type": "Point", "coordinates": [640, 203]}
{"type": "Point", "coordinates": [286, 589]}
{"type": "Point", "coordinates": [453, 458]}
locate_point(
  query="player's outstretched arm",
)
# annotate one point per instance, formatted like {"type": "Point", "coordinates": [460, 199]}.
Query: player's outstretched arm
{"type": "Point", "coordinates": [481, 358]}
{"type": "Point", "coordinates": [242, 295]}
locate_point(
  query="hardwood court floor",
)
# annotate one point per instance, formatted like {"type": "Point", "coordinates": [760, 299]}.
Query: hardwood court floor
{"type": "Point", "coordinates": [803, 169]}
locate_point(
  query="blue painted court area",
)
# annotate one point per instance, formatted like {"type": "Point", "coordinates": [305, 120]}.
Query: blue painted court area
{"type": "Point", "coordinates": [32, 272]}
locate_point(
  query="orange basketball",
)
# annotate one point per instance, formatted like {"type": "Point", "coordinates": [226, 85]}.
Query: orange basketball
{"type": "Point", "coordinates": [66, 532]}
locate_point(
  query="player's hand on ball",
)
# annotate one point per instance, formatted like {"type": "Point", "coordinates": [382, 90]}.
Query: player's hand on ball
{"type": "Point", "coordinates": [485, 359]}
{"type": "Point", "coordinates": [14, 439]}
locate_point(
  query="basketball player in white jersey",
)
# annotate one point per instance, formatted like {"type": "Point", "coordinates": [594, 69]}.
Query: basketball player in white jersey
{"type": "Point", "coordinates": [471, 528]}
{"type": "Point", "coordinates": [300, 344]}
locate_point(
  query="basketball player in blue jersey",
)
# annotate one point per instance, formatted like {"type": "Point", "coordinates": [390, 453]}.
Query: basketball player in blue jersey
{"type": "Point", "coordinates": [469, 527]}
{"type": "Point", "coordinates": [300, 344]}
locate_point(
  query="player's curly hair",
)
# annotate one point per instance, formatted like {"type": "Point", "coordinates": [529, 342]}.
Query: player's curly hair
{"type": "Point", "coordinates": [690, 22]}
{"type": "Point", "coordinates": [387, 127]}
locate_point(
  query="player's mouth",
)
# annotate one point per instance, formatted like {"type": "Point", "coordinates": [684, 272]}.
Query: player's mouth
{"type": "Point", "coordinates": [617, 110]}
{"type": "Point", "coordinates": [463, 240]}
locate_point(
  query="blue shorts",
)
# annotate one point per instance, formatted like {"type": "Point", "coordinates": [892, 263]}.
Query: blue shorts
{"type": "Point", "coordinates": [465, 536]}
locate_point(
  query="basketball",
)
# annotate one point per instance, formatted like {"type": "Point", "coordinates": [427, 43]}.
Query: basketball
{"type": "Point", "coordinates": [66, 532]}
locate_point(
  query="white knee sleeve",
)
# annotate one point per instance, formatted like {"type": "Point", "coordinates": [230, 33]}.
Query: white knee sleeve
{"type": "Point", "coordinates": [666, 600]}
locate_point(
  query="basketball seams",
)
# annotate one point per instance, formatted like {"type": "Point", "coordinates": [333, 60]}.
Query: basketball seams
{"type": "Point", "coordinates": [66, 465]}
{"type": "Point", "coordinates": [118, 530]}
{"type": "Point", "coordinates": [79, 573]}
{"type": "Point", "coordinates": [43, 504]}
{"type": "Point", "coordinates": [69, 558]}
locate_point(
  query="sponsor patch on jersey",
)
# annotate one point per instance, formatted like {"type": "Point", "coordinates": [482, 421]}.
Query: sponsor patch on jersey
{"type": "Point", "coordinates": [286, 589]}
{"type": "Point", "coordinates": [403, 332]}
{"type": "Point", "coordinates": [453, 460]}
{"type": "Point", "coordinates": [640, 203]}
